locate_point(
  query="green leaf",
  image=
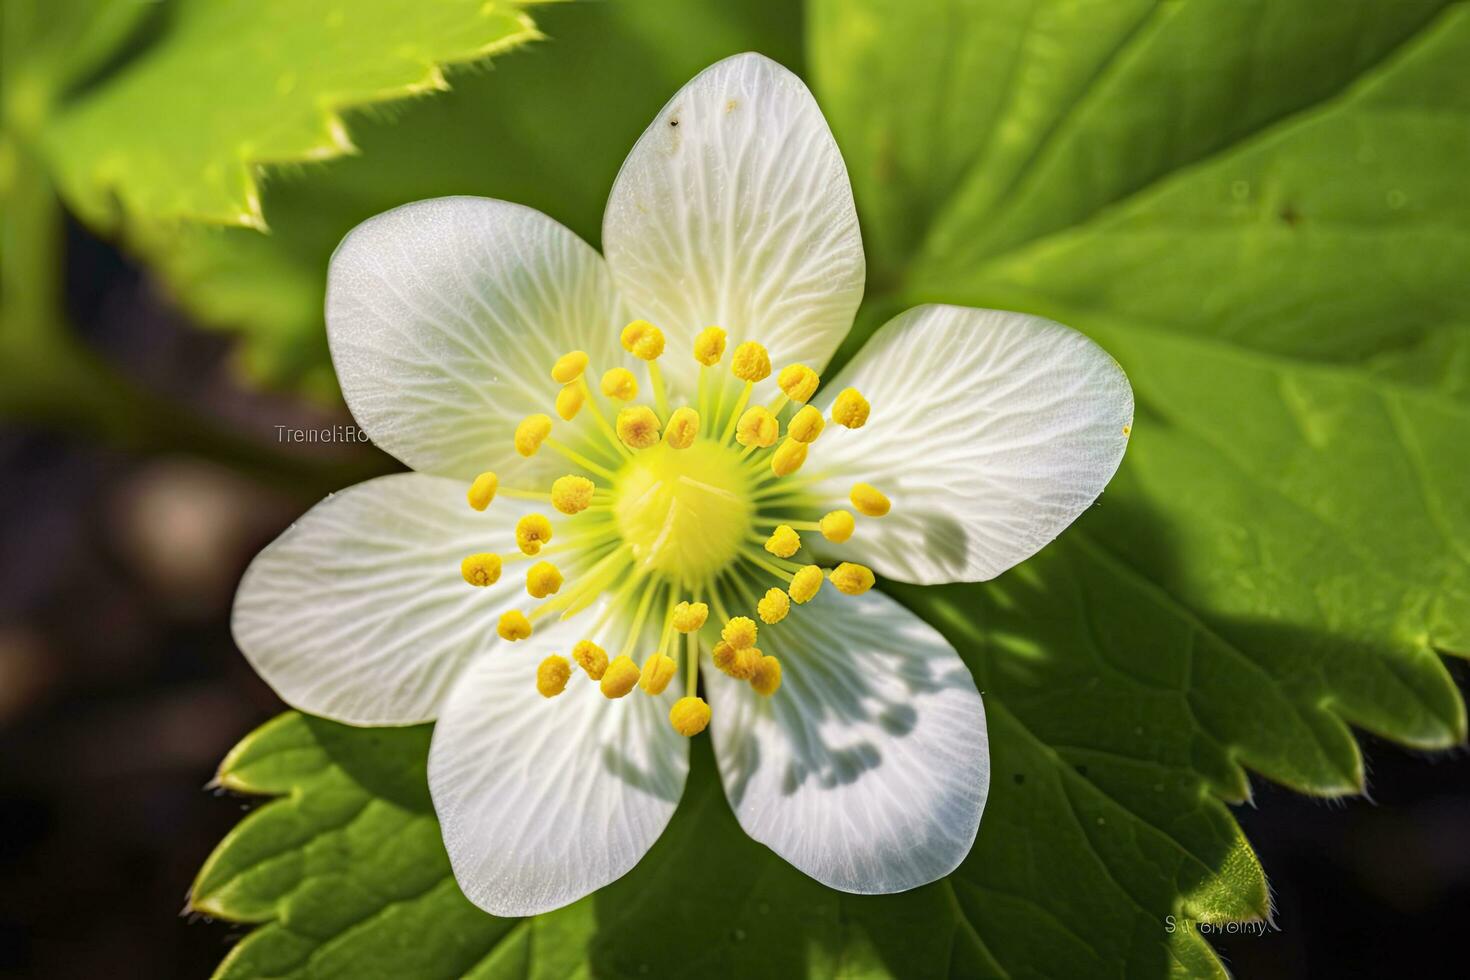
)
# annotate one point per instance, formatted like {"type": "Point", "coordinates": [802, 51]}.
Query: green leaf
{"type": "Point", "coordinates": [279, 75]}
{"type": "Point", "coordinates": [549, 127]}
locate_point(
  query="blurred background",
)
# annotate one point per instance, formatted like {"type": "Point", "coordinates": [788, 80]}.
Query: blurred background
{"type": "Point", "coordinates": [126, 520]}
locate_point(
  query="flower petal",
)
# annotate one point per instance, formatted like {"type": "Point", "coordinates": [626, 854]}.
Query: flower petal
{"type": "Point", "coordinates": [734, 209]}
{"type": "Point", "coordinates": [990, 433]}
{"type": "Point", "coordinates": [868, 769]}
{"type": "Point", "coordinates": [358, 611]}
{"type": "Point", "coordinates": [444, 319]}
{"type": "Point", "coordinates": [545, 800]}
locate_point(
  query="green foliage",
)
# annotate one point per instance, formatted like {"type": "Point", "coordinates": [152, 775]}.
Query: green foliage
{"type": "Point", "coordinates": [278, 75]}
{"type": "Point", "coordinates": [1256, 208]}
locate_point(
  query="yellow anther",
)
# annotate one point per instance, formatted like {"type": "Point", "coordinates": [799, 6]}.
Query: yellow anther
{"type": "Point", "coordinates": [619, 677]}
{"type": "Point", "coordinates": [804, 584]}
{"type": "Point", "coordinates": [788, 458]}
{"type": "Point", "coordinates": [737, 663]}
{"type": "Point", "coordinates": [773, 607]}
{"type": "Point", "coordinates": [543, 579]}
{"type": "Point", "coordinates": [798, 381]}
{"type": "Point", "coordinates": [767, 677]}
{"type": "Point", "coordinates": [569, 367]}
{"type": "Point", "coordinates": [806, 425]}
{"type": "Point", "coordinates": [514, 626]}
{"type": "Point", "coordinates": [572, 494]}
{"type": "Point", "coordinates": [551, 676]}
{"type": "Point", "coordinates": [569, 401]}
{"type": "Point", "coordinates": [739, 632]}
{"type": "Point", "coordinates": [482, 491]}
{"type": "Point", "coordinates": [852, 579]}
{"type": "Point", "coordinates": [690, 616]}
{"type": "Point", "coordinates": [750, 362]}
{"type": "Point", "coordinates": [682, 428]}
{"type": "Point", "coordinates": [757, 427]}
{"type": "Point", "coordinates": [531, 433]}
{"type": "Point", "coordinates": [643, 340]}
{"type": "Point", "coordinates": [619, 383]}
{"type": "Point", "coordinates": [591, 658]}
{"type": "Point", "coordinates": [638, 426]}
{"type": "Point", "coordinates": [709, 346]}
{"type": "Point", "coordinates": [689, 716]}
{"type": "Point", "coordinates": [783, 542]}
{"type": "Point", "coordinates": [481, 570]}
{"type": "Point", "coordinates": [532, 531]}
{"type": "Point", "coordinates": [657, 671]}
{"type": "Point", "coordinates": [869, 500]}
{"type": "Point", "coordinates": [837, 526]}
{"type": "Point", "coordinates": [850, 409]}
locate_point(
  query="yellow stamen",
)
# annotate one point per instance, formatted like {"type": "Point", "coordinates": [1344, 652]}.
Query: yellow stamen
{"type": "Point", "coordinates": [783, 542]}
{"type": "Point", "coordinates": [514, 626]}
{"type": "Point", "coordinates": [619, 383]}
{"type": "Point", "coordinates": [739, 632]}
{"type": "Point", "coordinates": [837, 526]}
{"type": "Point", "coordinates": [657, 671]}
{"type": "Point", "coordinates": [709, 346]}
{"type": "Point", "coordinates": [482, 491]}
{"type": "Point", "coordinates": [551, 676]}
{"type": "Point", "coordinates": [767, 677]}
{"type": "Point", "coordinates": [543, 579]}
{"type": "Point", "coordinates": [773, 607]}
{"type": "Point", "coordinates": [531, 433]}
{"type": "Point", "coordinates": [852, 579]}
{"type": "Point", "coordinates": [804, 584]}
{"type": "Point", "coordinates": [532, 531]}
{"type": "Point", "coordinates": [751, 362]}
{"type": "Point", "coordinates": [481, 570]}
{"type": "Point", "coordinates": [643, 340]}
{"type": "Point", "coordinates": [682, 429]}
{"type": "Point", "coordinates": [757, 427]}
{"type": "Point", "coordinates": [798, 381]}
{"type": "Point", "coordinates": [619, 677]}
{"type": "Point", "coordinates": [690, 616]}
{"type": "Point", "coordinates": [591, 658]}
{"type": "Point", "coordinates": [638, 426]}
{"type": "Point", "coordinates": [737, 663]}
{"type": "Point", "coordinates": [572, 494]}
{"type": "Point", "coordinates": [569, 367]}
{"type": "Point", "coordinates": [850, 409]}
{"type": "Point", "coordinates": [806, 424]}
{"type": "Point", "coordinates": [569, 401]}
{"type": "Point", "coordinates": [869, 500]}
{"type": "Point", "coordinates": [788, 459]}
{"type": "Point", "coordinates": [689, 716]}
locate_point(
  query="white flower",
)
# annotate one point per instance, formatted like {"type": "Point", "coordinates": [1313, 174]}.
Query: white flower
{"type": "Point", "coordinates": [868, 767]}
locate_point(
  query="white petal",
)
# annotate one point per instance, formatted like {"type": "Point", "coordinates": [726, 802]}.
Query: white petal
{"type": "Point", "coordinates": [545, 800]}
{"type": "Point", "coordinates": [990, 432]}
{"type": "Point", "coordinates": [734, 209]}
{"type": "Point", "coordinates": [359, 613]}
{"type": "Point", "coordinates": [444, 319]}
{"type": "Point", "coordinates": [868, 769]}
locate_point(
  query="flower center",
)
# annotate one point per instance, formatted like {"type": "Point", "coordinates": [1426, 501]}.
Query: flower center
{"type": "Point", "coordinates": [684, 512]}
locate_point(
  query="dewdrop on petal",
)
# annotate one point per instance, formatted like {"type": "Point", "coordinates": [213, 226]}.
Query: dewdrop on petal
{"type": "Point", "coordinates": [773, 607]}
{"type": "Point", "coordinates": [682, 429]}
{"type": "Point", "coordinates": [689, 716]}
{"type": "Point", "coordinates": [709, 346]}
{"type": "Point", "coordinates": [638, 427]}
{"type": "Point", "coordinates": [806, 425]}
{"type": "Point", "coordinates": [837, 526]}
{"type": "Point", "coordinates": [850, 409]}
{"type": "Point", "coordinates": [543, 579]}
{"type": "Point", "coordinates": [532, 531]}
{"type": "Point", "coordinates": [798, 381]}
{"type": "Point", "coordinates": [514, 626]}
{"type": "Point", "coordinates": [767, 677]}
{"type": "Point", "coordinates": [690, 616]}
{"type": "Point", "coordinates": [482, 491]}
{"type": "Point", "coordinates": [804, 584]}
{"type": "Point", "coordinates": [591, 658]}
{"type": "Point", "coordinates": [657, 671]}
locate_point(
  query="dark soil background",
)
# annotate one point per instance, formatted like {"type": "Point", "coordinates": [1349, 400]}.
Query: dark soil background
{"type": "Point", "coordinates": [120, 690]}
